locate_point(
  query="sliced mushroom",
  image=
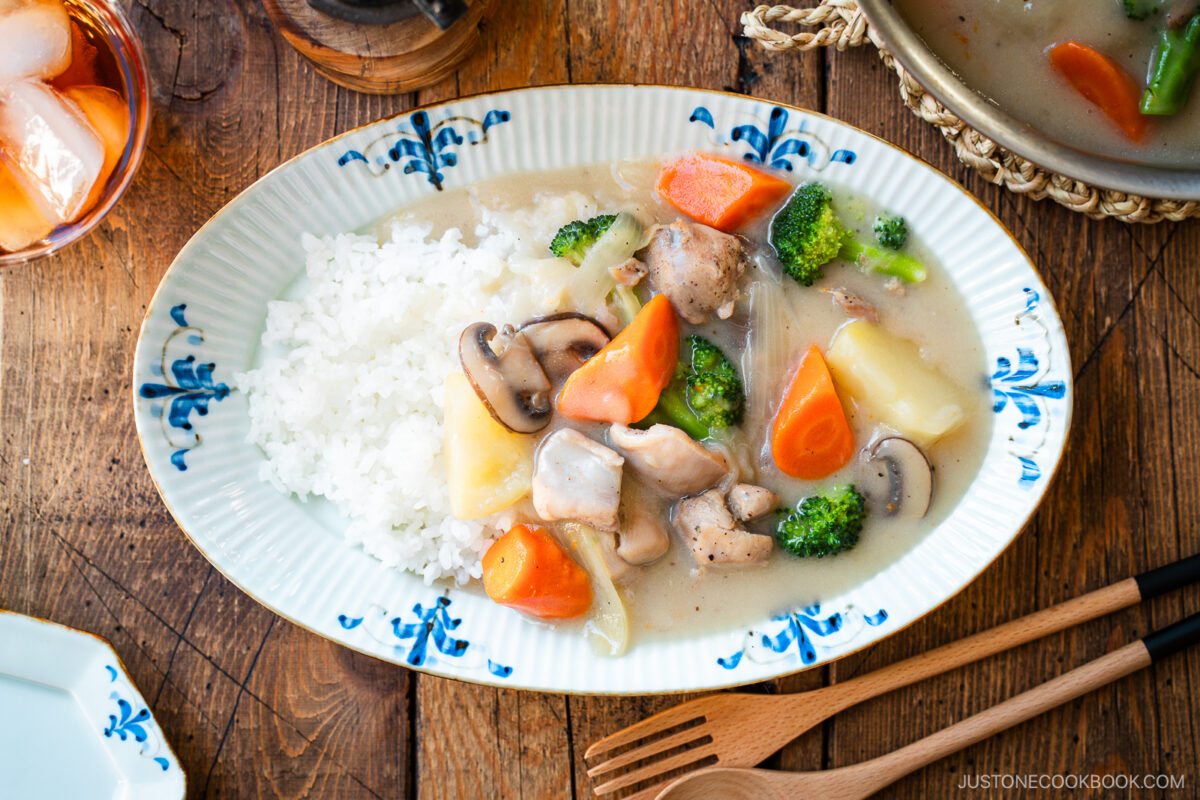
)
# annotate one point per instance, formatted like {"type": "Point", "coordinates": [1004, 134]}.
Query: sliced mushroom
{"type": "Point", "coordinates": [507, 376]}
{"type": "Point", "coordinates": [562, 342]}
{"type": "Point", "coordinates": [898, 477]}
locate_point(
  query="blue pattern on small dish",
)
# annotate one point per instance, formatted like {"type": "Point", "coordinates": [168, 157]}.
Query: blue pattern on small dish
{"type": "Point", "coordinates": [139, 727]}
{"type": "Point", "coordinates": [422, 146]}
{"type": "Point", "coordinates": [432, 625]}
{"type": "Point", "coordinates": [805, 629]}
{"type": "Point", "coordinates": [777, 145]}
{"type": "Point", "coordinates": [189, 385]}
{"type": "Point", "coordinates": [1026, 388]}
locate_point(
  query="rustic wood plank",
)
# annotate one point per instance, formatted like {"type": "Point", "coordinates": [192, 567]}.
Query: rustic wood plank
{"type": "Point", "coordinates": [349, 710]}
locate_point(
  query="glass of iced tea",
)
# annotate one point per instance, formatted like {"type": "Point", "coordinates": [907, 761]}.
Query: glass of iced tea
{"type": "Point", "coordinates": [74, 116]}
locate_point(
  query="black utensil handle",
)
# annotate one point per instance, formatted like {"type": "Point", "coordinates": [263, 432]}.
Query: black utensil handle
{"type": "Point", "coordinates": [1171, 576]}
{"type": "Point", "coordinates": [1173, 638]}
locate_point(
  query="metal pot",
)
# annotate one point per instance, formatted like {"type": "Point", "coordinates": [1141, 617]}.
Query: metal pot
{"type": "Point", "coordinates": [1020, 137]}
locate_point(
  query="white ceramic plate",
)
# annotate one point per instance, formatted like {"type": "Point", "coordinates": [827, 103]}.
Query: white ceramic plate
{"type": "Point", "coordinates": [207, 317]}
{"type": "Point", "coordinates": [75, 725]}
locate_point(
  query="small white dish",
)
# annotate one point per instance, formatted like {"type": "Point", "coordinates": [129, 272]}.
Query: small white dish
{"type": "Point", "coordinates": [206, 321]}
{"type": "Point", "coordinates": [77, 728]}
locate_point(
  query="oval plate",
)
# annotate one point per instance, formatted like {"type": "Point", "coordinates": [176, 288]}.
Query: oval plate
{"type": "Point", "coordinates": [207, 317]}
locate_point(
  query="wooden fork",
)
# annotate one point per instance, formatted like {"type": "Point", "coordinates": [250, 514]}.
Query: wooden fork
{"type": "Point", "coordinates": [740, 729]}
{"type": "Point", "coordinates": [859, 781]}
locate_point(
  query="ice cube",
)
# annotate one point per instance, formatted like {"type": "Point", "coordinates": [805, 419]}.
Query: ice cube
{"type": "Point", "coordinates": [108, 114]}
{"type": "Point", "coordinates": [22, 220]}
{"type": "Point", "coordinates": [84, 68]}
{"type": "Point", "coordinates": [55, 150]}
{"type": "Point", "coordinates": [35, 39]}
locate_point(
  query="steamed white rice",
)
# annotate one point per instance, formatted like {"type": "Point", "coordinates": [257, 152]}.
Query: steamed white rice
{"type": "Point", "coordinates": [347, 404]}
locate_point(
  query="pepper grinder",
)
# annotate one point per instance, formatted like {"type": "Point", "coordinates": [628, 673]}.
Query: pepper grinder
{"type": "Point", "coordinates": [381, 46]}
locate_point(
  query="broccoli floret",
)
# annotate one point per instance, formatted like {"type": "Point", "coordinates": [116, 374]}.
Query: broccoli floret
{"type": "Point", "coordinates": [1140, 9]}
{"type": "Point", "coordinates": [891, 231]}
{"type": "Point", "coordinates": [574, 239]}
{"type": "Point", "coordinates": [824, 524]}
{"type": "Point", "coordinates": [705, 396]}
{"type": "Point", "coordinates": [807, 235]}
{"type": "Point", "coordinates": [706, 357]}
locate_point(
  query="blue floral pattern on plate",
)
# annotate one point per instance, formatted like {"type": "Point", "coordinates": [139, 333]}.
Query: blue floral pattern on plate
{"type": "Point", "coordinates": [806, 629]}
{"type": "Point", "coordinates": [189, 385]}
{"type": "Point", "coordinates": [137, 727]}
{"type": "Point", "coordinates": [424, 146]}
{"type": "Point", "coordinates": [1026, 387]}
{"type": "Point", "coordinates": [776, 145]}
{"type": "Point", "coordinates": [431, 625]}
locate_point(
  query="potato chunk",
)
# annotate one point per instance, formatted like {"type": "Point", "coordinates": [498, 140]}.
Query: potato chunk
{"type": "Point", "coordinates": [888, 378]}
{"type": "Point", "coordinates": [488, 467]}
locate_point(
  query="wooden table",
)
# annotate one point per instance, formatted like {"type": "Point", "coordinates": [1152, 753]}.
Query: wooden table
{"type": "Point", "coordinates": [256, 707]}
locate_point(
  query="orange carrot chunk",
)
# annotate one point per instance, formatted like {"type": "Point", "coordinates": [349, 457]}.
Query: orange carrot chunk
{"type": "Point", "coordinates": [810, 438]}
{"type": "Point", "coordinates": [528, 570]}
{"type": "Point", "coordinates": [622, 382]}
{"type": "Point", "coordinates": [1103, 83]}
{"type": "Point", "coordinates": [722, 194]}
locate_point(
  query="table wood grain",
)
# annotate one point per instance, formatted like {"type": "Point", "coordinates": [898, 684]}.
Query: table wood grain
{"type": "Point", "coordinates": [256, 707]}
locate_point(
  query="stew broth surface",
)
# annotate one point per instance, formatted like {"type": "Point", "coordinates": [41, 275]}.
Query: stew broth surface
{"type": "Point", "coordinates": [999, 49]}
{"type": "Point", "coordinates": [672, 596]}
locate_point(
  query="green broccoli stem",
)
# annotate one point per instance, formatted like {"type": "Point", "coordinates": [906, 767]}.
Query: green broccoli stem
{"type": "Point", "coordinates": [673, 409]}
{"type": "Point", "coordinates": [899, 265]}
{"type": "Point", "coordinates": [1176, 61]}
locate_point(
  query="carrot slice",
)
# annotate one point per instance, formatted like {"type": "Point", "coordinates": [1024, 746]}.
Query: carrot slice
{"type": "Point", "coordinates": [528, 570]}
{"type": "Point", "coordinates": [810, 437]}
{"type": "Point", "coordinates": [720, 193]}
{"type": "Point", "coordinates": [1104, 83]}
{"type": "Point", "coordinates": [622, 382]}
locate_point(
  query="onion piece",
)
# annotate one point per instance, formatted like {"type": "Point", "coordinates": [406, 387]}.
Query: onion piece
{"type": "Point", "coordinates": [592, 281]}
{"type": "Point", "coordinates": [608, 622]}
{"type": "Point", "coordinates": [774, 338]}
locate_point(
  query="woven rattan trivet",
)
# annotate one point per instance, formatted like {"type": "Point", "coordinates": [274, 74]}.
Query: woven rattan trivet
{"type": "Point", "coordinates": [842, 24]}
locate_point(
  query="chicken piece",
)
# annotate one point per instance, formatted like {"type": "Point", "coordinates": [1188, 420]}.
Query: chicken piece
{"type": "Point", "coordinates": [668, 458]}
{"type": "Point", "coordinates": [643, 536]}
{"type": "Point", "coordinates": [706, 524]}
{"type": "Point", "coordinates": [629, 272]}
{"type": "Point", "coordinates": [748, 502]}
{"type": "Point", "coordinates": [697, 268]}
{"type": "Point", "coordinates": [619, 568]}
{"type": "Point", "coordinates": [853, 305]}
{"type": "Point", "coordinates": [577, 478]}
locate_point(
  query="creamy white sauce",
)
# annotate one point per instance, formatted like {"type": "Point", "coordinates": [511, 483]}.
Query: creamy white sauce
{"type": "Point", "coordinates": [673, 596]}
{"type": "Point", "coordinates": [999, 49]}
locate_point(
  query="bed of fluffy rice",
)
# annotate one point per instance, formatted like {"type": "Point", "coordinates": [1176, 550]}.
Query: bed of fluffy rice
{"type": "Point", "coordinates": [347, 402]}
